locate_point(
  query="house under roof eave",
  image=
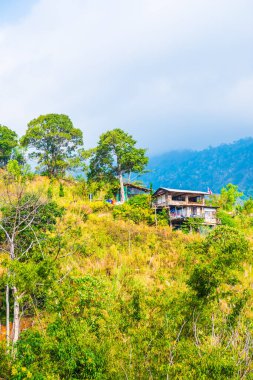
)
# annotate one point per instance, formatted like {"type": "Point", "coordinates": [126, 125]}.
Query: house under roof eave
{"type": "Point", "coordinates": [179, 191]}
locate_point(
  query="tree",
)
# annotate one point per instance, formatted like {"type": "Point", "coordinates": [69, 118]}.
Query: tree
{"type": "Point", "coordinates": [18, 154]}
{"type": "Point", "coordinates": [115, 156]}
{"type": "Point", "coordinates": [25, 218]}
{"type": "Point", "coordinates": [8, 141]}
{"type": "Point", "coordinates": [223, 252]}
{"type": "Point", "coordinates": [55, 141]}
{"type": "Point", "coordinates": [229, 196]}
{"type": "Point", "coordinates": [61, 190]}
{"type": "Point", "coordinates": [248, 207]}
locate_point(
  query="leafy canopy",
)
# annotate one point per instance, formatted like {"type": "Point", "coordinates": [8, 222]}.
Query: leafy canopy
{"type": "Point", "coordinates": [8, 141]}
{"type": "Point", "coordinates": [223, 251]}
{"type": "Point", "coordinates": [115, 155]}
{"type": "Point", "coordinates": [55, 141]}
{"type": "Point", "coordinates": [229, 196]}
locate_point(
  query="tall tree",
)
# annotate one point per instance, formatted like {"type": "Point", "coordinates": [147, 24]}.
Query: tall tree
{"type": "Point", "coordinates": [115, 156]}
{"type": "Point", "coordinates": [25, 218]}
{"type": "Point", "coordinates": [229, 196]}
{"type": "Point", "coordinates": [8, 141]}
{"type": "Point", "coordinates": [55, 141]}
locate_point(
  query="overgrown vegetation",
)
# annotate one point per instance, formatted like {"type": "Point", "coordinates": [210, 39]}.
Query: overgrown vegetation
{"type": "Point", "coordinates": [139, 209]}
{"type": "Point", "coordinates": [105, 294]}
{"type": "Point", "coordinates": [92, 290]}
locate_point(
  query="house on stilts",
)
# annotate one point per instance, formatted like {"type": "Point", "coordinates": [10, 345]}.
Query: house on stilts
{"type": "Point", "coordinates": [184, 204]}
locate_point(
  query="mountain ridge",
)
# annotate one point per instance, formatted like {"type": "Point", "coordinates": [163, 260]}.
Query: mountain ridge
{"type": "Point", "coordinates": [212, 168]}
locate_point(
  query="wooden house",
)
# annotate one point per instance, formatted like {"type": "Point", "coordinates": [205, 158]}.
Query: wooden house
{"type": "Point", "coordinates": [184, 204]}
{"type": "Point", "coordinates": [131, 190]}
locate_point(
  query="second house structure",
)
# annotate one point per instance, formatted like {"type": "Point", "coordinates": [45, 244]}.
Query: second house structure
{"type": "Point", "coordinates": [184, 204]}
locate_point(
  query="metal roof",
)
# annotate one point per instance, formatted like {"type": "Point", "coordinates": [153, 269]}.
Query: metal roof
{"type": "Point", "coordinates": [182, 191]}
{"type": "Point", "coordinates": [128, 184]}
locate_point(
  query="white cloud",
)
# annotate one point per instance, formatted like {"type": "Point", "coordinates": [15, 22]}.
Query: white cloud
{"type": "Point", "coordinates": [153, 67]}
{"type": "Point", "coordinates": [240, 97]}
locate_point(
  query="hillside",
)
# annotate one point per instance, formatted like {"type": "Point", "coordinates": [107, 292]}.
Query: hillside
{"type": "Point", "coordinates": [108, 296]}
{"type": "Point", "coordinates": [209, 168]}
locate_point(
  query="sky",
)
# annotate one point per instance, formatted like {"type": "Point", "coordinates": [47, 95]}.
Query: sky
{"type": "Point", "coordinates": [174, 74]}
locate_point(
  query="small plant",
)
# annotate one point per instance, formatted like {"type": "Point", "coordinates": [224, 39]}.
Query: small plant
{"type": "Point", "coordinates": [49, 193]}
{"type": "Point", "coordinates": [61, 190]}
{"type": "Point", "coordinates": [138, 209]}
{"type": "Point", "coordinates": [192, 224]}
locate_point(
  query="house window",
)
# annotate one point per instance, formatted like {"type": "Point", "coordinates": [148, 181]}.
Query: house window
{"type": "Point", "coordinates": [194, 210]}
{"type": "Point", "coordinates": [180, 198]}
{"type": "Point", "coordinates": [161, 199]}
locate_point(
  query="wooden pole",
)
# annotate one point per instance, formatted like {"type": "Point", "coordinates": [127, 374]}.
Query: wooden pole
{"type": "Point", "coordinates": [7, 295]}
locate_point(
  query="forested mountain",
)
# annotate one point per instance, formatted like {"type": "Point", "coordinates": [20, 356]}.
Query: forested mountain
{"type": "Point", "coordinates": [211, 167]}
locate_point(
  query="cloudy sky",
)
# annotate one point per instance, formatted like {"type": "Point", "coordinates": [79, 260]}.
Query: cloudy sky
{"type": "Point", "coordinates": [173, 73]}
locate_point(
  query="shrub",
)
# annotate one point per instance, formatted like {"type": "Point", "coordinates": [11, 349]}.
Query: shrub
{"type": "Point", "coordinates": [61, 190]}
{"type": "Point", "coordinates": [226, 219]}
{"type": "Point", "coordinates": [100, 206]}
{"type": "Point", "coordinates": [138, 210]}
{"type": "Point", "coordinates": [222, 252]}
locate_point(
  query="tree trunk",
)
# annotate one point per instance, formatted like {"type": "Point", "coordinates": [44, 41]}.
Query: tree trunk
{"type": "Point", "coordinates": [7, 295]}
{"type": "Point", "coordinates": [12, 249]}
{"type": "Point", "coordinates": [122, 193]}
{"type": "Point", "coordinates": [155, 217]}
{"type": "Point", "coordinates": [15, 316]}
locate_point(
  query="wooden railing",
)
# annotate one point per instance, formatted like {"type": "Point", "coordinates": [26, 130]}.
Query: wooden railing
{"type": "Point", "coordinates": [177, 203]}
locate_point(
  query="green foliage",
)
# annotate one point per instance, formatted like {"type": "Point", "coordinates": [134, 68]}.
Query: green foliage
{"type": "Point", "coordinates": [8, 141]}
{"type": "Point", "coordinates": [35, 218]}
{"type": "Point", "coordinates": [212, 167]}
{"type": "Point", "coordinates": [138, 210]}
{"type": "Point", "coordinates": [142, 201]}
{"type": "Point", "coordinates": [49, 192]}
{"type": "Point", "coordinates": [81, 188]}
{"type": "Point", "coordinates": [68, 355]}
{"type": "Point", "coordinates": [55, 141]}
{"type": "Point", "coordinates": [116, 153]}
{"type": "Point", "coordinates": [192, 224]}
{"type": "Point", "coordinates": [229, 196]}
{"type": "Point", "coordinates": [137, 215]}
{"type": "Point", "coordinates": [100, 206]}
{"type": "Point", "coordinates": [18, 154]}
{"type": "Point", "coordinates": [115, 156]}
{"type": "Point", "coordinates": [229, 243]}
{"type": "Point", "coordinates": [17, 172]}
{"type": "Point", "coordinates": [223, 250]}
{"type": "Point", "coordinates": [114, 298]}
{"type": "Point", "coordinates": [248, 207]}
{"type": "Point", "coordinates": [14, 169]}
{"type": "Point", "coordinates": [213, 363]}
{"type": "Point", "coordinates": [226, 219]}
{"type": "Point", "coordinates": [61, 190]}
{"type": "Point", "coordinates": [5, 362]}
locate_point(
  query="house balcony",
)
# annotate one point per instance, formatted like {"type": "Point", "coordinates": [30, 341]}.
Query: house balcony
{"type": "Point", "coordinates": [177, 203]}
{"type": "Point", "coordinates": [212, 221]}
{"type": "Point", "coordinates": [178, 216]}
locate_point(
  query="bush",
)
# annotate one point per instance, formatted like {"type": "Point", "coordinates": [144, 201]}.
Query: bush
{"type": "Point", "coordinates": [138, 210]}
{"type": "Point", "coordinates": [222, 252]}
{"type": "Point", "coordinates": [136, 214]}
{"type": "Point", "coordinates": [226, 219]}
{"type": "Point", "coordinates": [141, 201]}
{"type": "Point", "coordinates": [61, 190]}
{"type": "Point", "coordinates": [100, 206]}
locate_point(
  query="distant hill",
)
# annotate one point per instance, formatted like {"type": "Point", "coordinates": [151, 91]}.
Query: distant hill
{"type": "Point", "coordinates": [209, 168]}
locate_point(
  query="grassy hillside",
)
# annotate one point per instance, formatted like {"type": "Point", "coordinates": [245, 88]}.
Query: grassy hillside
{"type": "Point", "coordinates": [212, 167]}
{"type": "Point", "coordinates": [106, 298]}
